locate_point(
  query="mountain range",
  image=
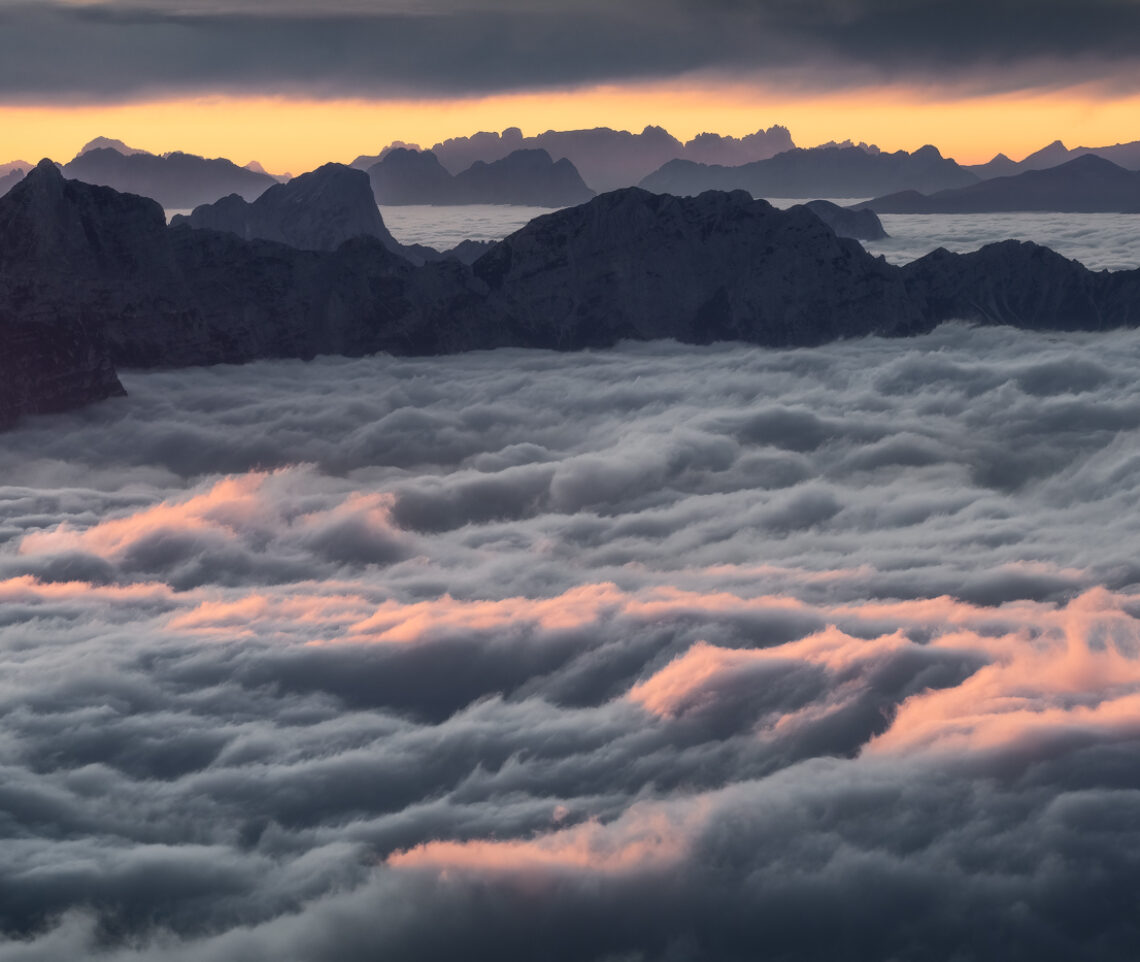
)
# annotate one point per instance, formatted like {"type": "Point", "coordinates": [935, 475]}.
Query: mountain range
{"type": "Point", "coordinates": [1088, 184]}
{"type": "Point", "coordinates": [1055, 154]}
{"type": "Point", "coordinates": [817, 172]}
{"type": "Point", "coordinates": [92, 279]}
{"type": "Point", "coordinates": [175, 180]}
{"type": "Point", "coordinates": [605, 158]}
{"type": "Point", "coordinates": [525, 177]}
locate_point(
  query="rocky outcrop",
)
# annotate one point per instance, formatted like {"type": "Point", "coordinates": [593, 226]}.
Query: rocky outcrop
{"type": "Point", "coordinates": [527, 177]}
{"type": "Point", "coordinates": [856, 224]}
{"type": "Point", "coordinates": [1088, 184]}
{"type": "Point", "coordinates": [631, 264]}
{"type": "Point", "coordinates": [67, 254]}
{"type": "Point", "coordinates": [176, 181]}
{"type": "Point", "coordinates": [317, 211]}
{"type": "Point", "coordinates": [91, 278]}
{"type": "Point", "coordinates": [817, 172]}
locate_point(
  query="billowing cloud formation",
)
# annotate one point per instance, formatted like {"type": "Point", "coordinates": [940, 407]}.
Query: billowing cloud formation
{"type": "Point", "coordinates": [658, 653]}
{"type": "Point", "coordinates": [113, 49]}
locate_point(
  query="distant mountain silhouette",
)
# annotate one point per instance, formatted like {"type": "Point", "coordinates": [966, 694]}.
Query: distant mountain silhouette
{"type": "Point", "coordinates": [605, 158]}
{"type": "Point", "coordinates": [406, 176]}
{"type": "Point", "coordinates": [21, 165]}
{"type": "Point", "coordinates": [1055, 154]}
{"type": "Point", "coordinates": [91, 278]}
{"type": "Point", "coordinates": [999, 166]}
{"type": "Point", "coordinates": [175, 180]}
{"type": "Point", "coordinates": [528, 177]}
{"type": "Point", "coordinates": [10, 180]}
{"type": "Point", "coordinates": [816, 172]}
{"type": "Point", "coordinates": [1088, 184]}
{"type": "Point", "coordinates": [110, 143]}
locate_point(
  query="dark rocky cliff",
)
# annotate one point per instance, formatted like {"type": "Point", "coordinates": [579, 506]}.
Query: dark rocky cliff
{"type": "Point", "coordinates": [631, 264]}
{"type": "Point", "coordinates": [90, 279]}
{"type": "Point", "coordinates": [317, 211]}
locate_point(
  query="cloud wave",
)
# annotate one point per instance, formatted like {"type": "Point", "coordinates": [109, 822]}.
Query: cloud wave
{"type": "Point", "coordinates": [658, 653]}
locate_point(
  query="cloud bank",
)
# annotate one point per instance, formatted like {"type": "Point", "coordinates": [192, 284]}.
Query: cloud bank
{"type": "Point", "coordinates": [112, 49]}
{"type": "Point", "coordinates": [658, 653]}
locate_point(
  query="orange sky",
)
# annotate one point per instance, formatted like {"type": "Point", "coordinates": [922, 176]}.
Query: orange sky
{"type": "Point", "coordinates": [298, 135]}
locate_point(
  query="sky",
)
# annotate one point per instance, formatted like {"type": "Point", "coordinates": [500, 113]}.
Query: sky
{"type": "Point", "coordinates": [293, 84]}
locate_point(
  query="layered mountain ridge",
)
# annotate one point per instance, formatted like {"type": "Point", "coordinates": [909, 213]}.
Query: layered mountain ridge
{"type": "Point", "coordinates": [524, 177]}
{"type": "Point", "coordinates": [91, 279]}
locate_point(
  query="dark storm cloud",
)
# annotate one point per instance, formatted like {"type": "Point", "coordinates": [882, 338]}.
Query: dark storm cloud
{"type": "Point", "coordinates": [112, 50]}
{"type": "Point", "coordinates": [660, 653]}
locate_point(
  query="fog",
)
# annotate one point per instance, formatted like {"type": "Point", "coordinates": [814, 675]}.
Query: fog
{"type": "Point", "coordinates": [657, 653]}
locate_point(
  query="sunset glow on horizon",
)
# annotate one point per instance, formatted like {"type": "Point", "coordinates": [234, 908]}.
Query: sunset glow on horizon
{"type": "Point", "coordinates": [299, 134]}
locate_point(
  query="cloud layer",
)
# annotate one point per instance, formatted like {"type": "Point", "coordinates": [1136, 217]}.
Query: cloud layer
{"type": "Point", "coordinates": [658, 653]}
{"type": "Point", "coordinates": [114, 49]}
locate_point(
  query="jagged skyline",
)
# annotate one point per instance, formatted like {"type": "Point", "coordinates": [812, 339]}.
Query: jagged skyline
{"type": "Point", "coordinates": [294, 84]}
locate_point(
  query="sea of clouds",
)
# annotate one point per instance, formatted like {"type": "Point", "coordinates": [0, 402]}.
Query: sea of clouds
{"type": "Point", "coordinates": [659, 653]}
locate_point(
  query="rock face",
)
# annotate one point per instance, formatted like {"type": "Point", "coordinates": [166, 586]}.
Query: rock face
{"type": "Point", "coordinates": [817, 172]}
{"type": "Point", "coordinates": [317, 211]}
{"type": "Point", "coordinates": [631, 264]}
{"type": "Point", "coordinates": [528, 177]}
{"type": "Point", "coordinates": [66, 252]}
{"type": "Point", "coordinates": [91, 278]}
{"type": "Point", "coordinates": [856, 224]}
{"type": "Point", "coordinates": [1023, 285]}
{"type": "Point", "coordinates": [1088, 184]}
{"type": "Point", "coordinates": [176, 180]}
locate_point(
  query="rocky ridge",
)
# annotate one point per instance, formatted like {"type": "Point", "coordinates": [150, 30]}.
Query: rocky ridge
{"type": "Point", "coordinates": [1088, 184]}
{"type": "Point", "coordinates": [91, 279]}
{"type": "Point", "coordinates": [317, 211]}
{"type": "Point", "coordinates": [177, 180]}
{"type": "Point", "coordinates": [817, 172]}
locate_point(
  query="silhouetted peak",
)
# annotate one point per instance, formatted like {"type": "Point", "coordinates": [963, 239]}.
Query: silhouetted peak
{"type": "Point", "coordinates": [109, 143]}
{"type": "Point", "coordinates": [928, 152]}
{"type": "Point", "coordinates": [1089, 162]}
